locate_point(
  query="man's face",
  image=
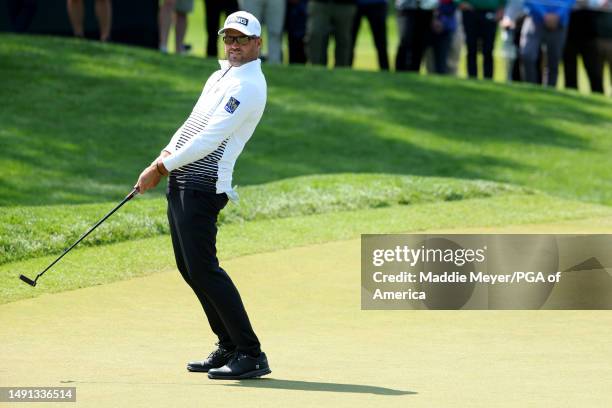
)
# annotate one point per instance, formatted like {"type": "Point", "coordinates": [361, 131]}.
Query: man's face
{"type": "Point", "coordinates": [237, 54]}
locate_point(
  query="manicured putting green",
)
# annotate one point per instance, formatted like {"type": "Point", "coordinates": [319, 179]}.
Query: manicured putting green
{"type": "Point", "coordinates": [126, 343]}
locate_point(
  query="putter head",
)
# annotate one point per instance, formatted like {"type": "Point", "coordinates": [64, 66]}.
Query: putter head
{"type": "Point", "coordinates": [27, 280]}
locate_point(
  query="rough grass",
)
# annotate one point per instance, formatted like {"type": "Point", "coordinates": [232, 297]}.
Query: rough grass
{"type": "Point", "coordinates": [40, 230]}
{"type": "Point", "coordinates": [99, 265]}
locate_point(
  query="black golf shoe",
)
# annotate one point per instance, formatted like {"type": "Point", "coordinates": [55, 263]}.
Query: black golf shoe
{"type": "Point", "coordinates": [216, 359]}
{"type": "Point", "coordinates": [240, 367]}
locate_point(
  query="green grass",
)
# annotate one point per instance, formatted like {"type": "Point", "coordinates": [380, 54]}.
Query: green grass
{"type": "Point", "coordinates": [333, 148]}
{"type": "Point", "coordinates": [41, 230]}
{"type": "Point", "coordinates": [95, 266]}
{"type": "Point", "coordinates": [85, 118]}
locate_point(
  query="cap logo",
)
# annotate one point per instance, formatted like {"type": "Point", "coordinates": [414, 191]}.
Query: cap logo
{"type": "Point", "coordinates": [240, 20]}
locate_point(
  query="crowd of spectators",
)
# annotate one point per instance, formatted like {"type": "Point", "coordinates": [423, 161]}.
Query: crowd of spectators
{"type": "Point", "coordinates": [536, 35]}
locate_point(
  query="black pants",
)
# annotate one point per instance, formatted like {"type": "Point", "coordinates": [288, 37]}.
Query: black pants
{"type": "Point", "coordinates": [415, 35]}
{"type": "Point", "coordinates": [440, 45]}
{"type": "Point", "coordinates": [377, 17]}
{"type": "Point", "coordinates": [516, 67]}
{"type": "Point", "coordinates": [581, 39]}
{"type": "Point", "coordinates": [480, 27]}
{"type": "Point", "coordinates": [295, 25]}
{"type": "Point", "coordinates": [214, 8]}
{"type": "Point", "coordinates": [21, 14]}
{"type": "Point", "coordinates": [193, 226]}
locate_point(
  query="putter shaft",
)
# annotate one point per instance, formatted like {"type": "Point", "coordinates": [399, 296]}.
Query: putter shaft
{"type": "Point", "coordinates": [125, 200]}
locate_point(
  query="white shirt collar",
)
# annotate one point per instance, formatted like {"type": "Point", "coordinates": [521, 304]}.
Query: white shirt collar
{"type": "Point", "coordinates": [256, 63]}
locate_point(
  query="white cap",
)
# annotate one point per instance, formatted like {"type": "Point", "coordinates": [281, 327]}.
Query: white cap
{"type": "Point", "coordinates": [244, 22]}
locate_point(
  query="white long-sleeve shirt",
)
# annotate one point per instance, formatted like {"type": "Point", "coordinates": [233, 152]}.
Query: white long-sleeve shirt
{"type": "Point", "coordinates": [205, 148]}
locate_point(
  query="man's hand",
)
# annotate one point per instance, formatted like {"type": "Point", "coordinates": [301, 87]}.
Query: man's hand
{"type": "Point", "coordinates": [551, 21]}
{"type": "Point", "coordinates": [150, 177]}
{"type": "Point", "coordinates": [507, 23]}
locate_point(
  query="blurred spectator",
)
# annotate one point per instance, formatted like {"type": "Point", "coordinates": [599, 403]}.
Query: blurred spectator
{"type": "Point", "coordinates": [272, 14]}
{"type": "Point", "coordinates": [518, 62]}
{"type": "Point", "coordinates": [457, 41]}
{"type": "Point", "coordinates": [604, 35]}
{"type": "Point", "coordinates": [509, 24]}
{"type": "Point", "coordinates": [296, 30]}
{"type": "Point", "coordinates": [443, 27]}
{"type": "Point", "coordinates": [21, 14]}
{"type": "Point", "coordinates": [414, 23]}
{"type": "Point", "coordinates": [513, 32]}
{"type": "Point", "coordinates": [327, 17]}
{"type": "Point", "coordinates": [546, 24]}
{"type": "Point", "coordinates": [582, 40]}
{"type": "Point", "coordinates": [454, 51]}
{"type": "Point", "coordinates": [214, 8]}
{"type": "Point", "coordinates": [76, 13]}
{"type": "Point", "coordinates": [376, 13]}
{"type": "Point", "coordinates": [178, 9]}
{"type": "Point", "coordinates": [480, 18]}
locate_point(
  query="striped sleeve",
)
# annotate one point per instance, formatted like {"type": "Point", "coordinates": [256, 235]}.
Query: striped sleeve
{"type": "Point", "coordinates": [171, 147]}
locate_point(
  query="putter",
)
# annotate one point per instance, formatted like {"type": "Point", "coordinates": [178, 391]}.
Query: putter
{"type": "Point", "coordinates": [125, 200]}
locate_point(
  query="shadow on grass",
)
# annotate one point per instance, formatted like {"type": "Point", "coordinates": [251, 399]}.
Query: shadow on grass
{"type": "Point", "coordinates": [92, 154]}
{"type": "Point", "coordinates": [97, 115]}
{"type": "Point", "coordinates": [318, 386]}
{"type": "Point", "coordinates": [272, 383]}
{"type": "Point", "coordinates": [456, 109]}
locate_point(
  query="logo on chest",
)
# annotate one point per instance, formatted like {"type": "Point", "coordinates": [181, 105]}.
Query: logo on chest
{"type": "Point", "coordinates": [232, 104]}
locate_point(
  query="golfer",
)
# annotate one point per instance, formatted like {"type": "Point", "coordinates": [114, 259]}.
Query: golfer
{"type": "Point", "coordinates": [199, 160]}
